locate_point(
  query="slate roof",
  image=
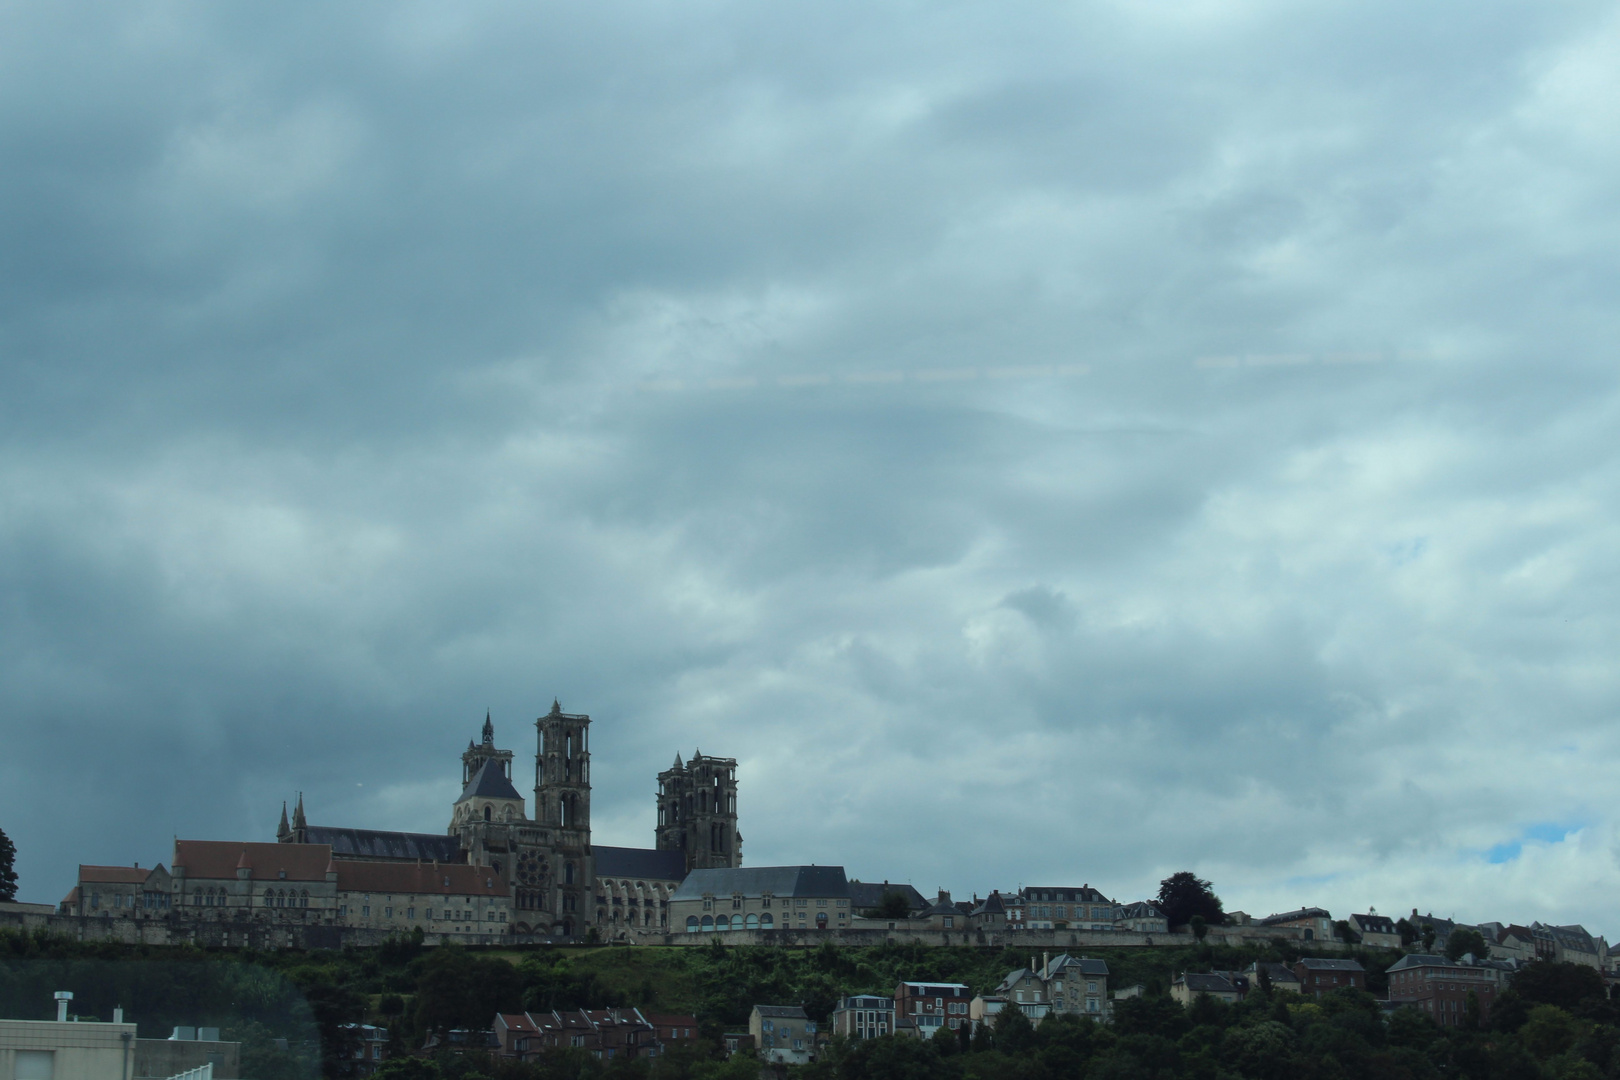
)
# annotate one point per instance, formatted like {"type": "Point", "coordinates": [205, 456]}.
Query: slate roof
{"type": "Point", "coordinates": [991, 905]}
{"type": "Point", "coordinates": [1375, 924]}
{"type": "Point", "coordinates": [489, 782]}
{"type": "Point", "coordinates": [1013, 979]}
{"type": "Point", "coordinates": [752, 881]}
{"type": "Point", "coordinates": [1318, 963]}
{"type": "Point", "coordinates": [1085, 965]}
{"type": "Point", "coordinates": [1141, 909]}
{"type": "Point", "coordinates": [784, 1012]}
{"type": "Point", "coordinates": [1291, 916]}
{"type": "Point", "coordinates": [1084, 893]}
{"type": "Point", "coordinates": [645, 863]}
{"type": "Point", "coordinates": [1574, 937]}
{"type": "Point", "coordinates": [1417, 960]}
{"type": "Point", "coordinates": [1279, 973]}
{"type": "Point", "coordinates": [377, 844]}
{"type": "Point", "coordinates": [1206, 983]}
{"type": "Point", "coordinates": [864, 895]}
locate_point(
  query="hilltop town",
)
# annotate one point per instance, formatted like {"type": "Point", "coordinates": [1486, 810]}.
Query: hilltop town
{"type": "Point", "coordinates": [511, 874]}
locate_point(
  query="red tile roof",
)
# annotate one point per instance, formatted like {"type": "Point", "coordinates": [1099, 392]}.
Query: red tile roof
{"type": "Point", "coordinates": [443, 879]}
{"type": "Point", "coordinates": [218, 859]}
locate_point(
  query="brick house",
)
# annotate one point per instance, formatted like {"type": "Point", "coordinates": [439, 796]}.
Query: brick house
{"type": "Point", "coordinates": [1440, 987]}
{"type": "Point", "coordinates": [604, 1033]}
{"type": "Point", "coordinates": [1318, 976]}
{"type": "Point", "coordinates": [931, 1006]}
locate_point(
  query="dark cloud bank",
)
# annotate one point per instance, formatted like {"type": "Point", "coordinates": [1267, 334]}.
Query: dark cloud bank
{"type": "Point", "coordinates": [1072, 444]}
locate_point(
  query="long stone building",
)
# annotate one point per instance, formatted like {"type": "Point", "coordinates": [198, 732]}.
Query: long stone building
{"type": "Point", "coordinates": [497, 870]}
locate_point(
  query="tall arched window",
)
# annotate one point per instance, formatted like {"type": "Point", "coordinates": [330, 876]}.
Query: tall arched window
{"type": "Point", "coordinates": [568, 874]}
{"type": "Point", "coordinates": [303, 898]}
{"type": "Point", "coordinates": [766, 922]}
{"type": "Point", "coordinates": [751, 923]}
{"type": "Point", "coordinates": [707, 923]}
{"type": "Point", "coordinates": [722, 922]}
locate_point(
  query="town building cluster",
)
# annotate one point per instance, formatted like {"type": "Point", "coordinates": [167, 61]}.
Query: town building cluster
{"type": "Point", "coordinates": [511, 869]}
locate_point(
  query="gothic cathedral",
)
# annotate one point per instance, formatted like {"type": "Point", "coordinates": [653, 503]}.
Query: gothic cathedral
{"type": "Point", "coordinates": [561, 884]}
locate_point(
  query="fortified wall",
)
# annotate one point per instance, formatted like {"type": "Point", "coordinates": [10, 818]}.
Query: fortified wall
{"type": "Point", "coordinates": [228, 934]}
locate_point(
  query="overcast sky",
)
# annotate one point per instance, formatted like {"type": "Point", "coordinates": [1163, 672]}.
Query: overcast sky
{"type": "Point", "coordinates": [1044, 444]}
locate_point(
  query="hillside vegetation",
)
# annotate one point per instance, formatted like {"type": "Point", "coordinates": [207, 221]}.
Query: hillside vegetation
{"type": "Point", "coordinates": [1560, 1028]}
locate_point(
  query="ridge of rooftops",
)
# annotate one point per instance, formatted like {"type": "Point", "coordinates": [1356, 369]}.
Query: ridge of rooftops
{"type": "Point", "coordinates": [756, 881]}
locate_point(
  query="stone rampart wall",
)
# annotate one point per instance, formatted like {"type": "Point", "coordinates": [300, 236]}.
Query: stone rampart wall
{"type": "Point", "coordinates": [232, 933]}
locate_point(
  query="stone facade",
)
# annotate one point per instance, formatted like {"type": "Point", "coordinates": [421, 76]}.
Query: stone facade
{"type": "Point", "coordinates": [697, 812]}
{"type": "Point", "coordinates": [497, 873]}
{"type": "Point", "coordinates": [807, 899]}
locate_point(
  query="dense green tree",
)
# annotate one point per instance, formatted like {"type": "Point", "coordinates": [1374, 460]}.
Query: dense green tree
{"type": "Point", "coordinates": [336, 1005]}
{"type": "Point", "coordinates": [408, 1068]}
{"type": "Point", "coordinates": [1012, 1030]}
{"type": "Point", "coordinates": [1565, 985]}
{"type": "Point", "coordinates": [1549, 1031]}
{"type": "Point", "coordinates": [8, 869]}
{"type": "Point", "coordinates": [1183, 895]}
{"type": "Point", "coordinates": [1465, 940]}
{"type": "Point", "coordinates": [891, 905]}
{"type": "Point", "coordinates": [460, 990]}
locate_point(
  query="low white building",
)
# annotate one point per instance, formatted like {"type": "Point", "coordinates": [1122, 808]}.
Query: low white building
{"type": "Point", "coordinates": [64, 1049]}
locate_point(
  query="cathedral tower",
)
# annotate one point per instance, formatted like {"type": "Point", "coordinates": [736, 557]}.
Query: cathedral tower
{"type": "Point", "coordinates": [697, 812]}
{"type": "Point", "coordinates": [562, 804]}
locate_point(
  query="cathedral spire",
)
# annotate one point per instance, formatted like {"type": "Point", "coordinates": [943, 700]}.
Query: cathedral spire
{"type": "Point", "coordinates": [556, 707]}
{"type": "Point", "coordinates": [678, 765]}
{"type": "Point", "coordinates": [299, 824]}
{"type": "Point", "coordinates": [282, 830]}
{"type": "Point", "coordinates": [489, 730]}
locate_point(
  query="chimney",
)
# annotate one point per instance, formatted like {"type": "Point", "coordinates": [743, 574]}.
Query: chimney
{"type": "Point", "coordinates": [1046, 961]}
{"type": "Point", "coordinates": [62, 999]}
{"type": "Point", "coordinates": [118, 1014]}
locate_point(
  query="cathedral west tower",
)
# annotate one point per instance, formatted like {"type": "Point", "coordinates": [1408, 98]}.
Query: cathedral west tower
{"type": "Point", "coordinates": [562, 804]}
{"type": "Point", "coordinates": [697, 812]}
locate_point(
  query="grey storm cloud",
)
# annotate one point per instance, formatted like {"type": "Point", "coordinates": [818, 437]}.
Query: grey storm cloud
{"type": "Point", "coordinates": [1062, 443]}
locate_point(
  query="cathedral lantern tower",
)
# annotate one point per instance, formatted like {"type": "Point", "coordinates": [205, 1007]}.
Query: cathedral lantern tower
{"type": "Point", "coordinates": [490, 810]}
{"type": "Point", "coordinates": [697, 812]}
{"type": "Point", "coordinates": [562, 804]}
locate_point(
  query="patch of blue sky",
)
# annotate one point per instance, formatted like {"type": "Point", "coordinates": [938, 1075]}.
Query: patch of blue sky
{"type": "Point", "coordinates": [1548, 832]}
